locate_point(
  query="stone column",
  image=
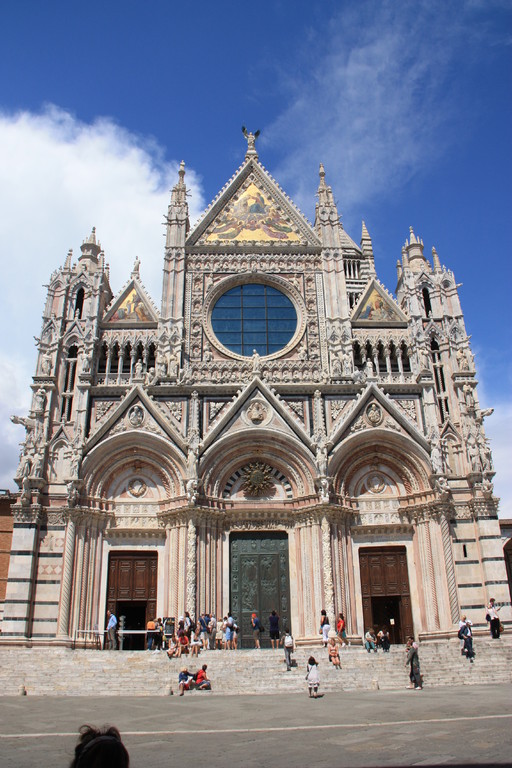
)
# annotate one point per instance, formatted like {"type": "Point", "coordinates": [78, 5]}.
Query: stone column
{"type": "Point", "coordinates": [191, 567]}
{"type": "Point", "coordinates": [427, 572]}
{"type": "Point", "coordinates": [67, 579]}
{"type": "Point", "coordinates": [450, 567]}
{"type": "Point", "coordinates": [327, 569]}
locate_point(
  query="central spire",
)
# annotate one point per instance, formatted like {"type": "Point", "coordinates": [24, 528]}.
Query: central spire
{"type": "Point", "coordinates": [251, 143]}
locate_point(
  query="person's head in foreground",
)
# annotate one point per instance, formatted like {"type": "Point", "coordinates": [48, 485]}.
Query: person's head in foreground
{"type": "Point", "coordinates": [100, 748]}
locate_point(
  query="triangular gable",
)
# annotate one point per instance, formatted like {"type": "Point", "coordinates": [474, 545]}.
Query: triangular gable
{"type": "Point", "coordinates": [266, 404]}
{"type": "Point", "coordinates": [146, 420]}
{"type": "Point", "coordinates": [253, 209]}
{"type": "Point", "coordinates": [375, 409]}
{"type": "Point", "coordinates": [377, 308]}
{"type": "Point", "coordinates": [132, 306]}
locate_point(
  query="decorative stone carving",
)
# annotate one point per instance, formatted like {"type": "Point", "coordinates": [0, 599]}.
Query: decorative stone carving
{"type": "Point", "coordinates": [137, 487]}
{"type": "Point", "coordinates": [374, 414]}
{"type": "Point", "coordinates": [136, 416]}
{"type": "Point", "coordinates": [257, 412]}
{"type": "Point", "coordinates": [257, 479]}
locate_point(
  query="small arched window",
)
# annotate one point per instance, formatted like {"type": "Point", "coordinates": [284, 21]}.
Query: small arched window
{"type": "Point", "coordinates": [426, 302]}
{"type": "Point", "coordinates": [79, 303]}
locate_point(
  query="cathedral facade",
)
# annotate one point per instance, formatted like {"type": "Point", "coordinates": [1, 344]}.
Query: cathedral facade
{"type": "Point", "coordinates": [281, 433]}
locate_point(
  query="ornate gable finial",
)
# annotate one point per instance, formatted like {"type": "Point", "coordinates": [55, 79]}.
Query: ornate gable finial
{"type": "Point", "coordinates": [136, 267]}
{"type": "Point", "coordinates": [251, 143]}
{"type": "Point", "coordinates": [321, 173]}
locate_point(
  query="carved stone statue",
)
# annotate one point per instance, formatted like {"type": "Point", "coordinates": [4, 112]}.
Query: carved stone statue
{"type": "Point", "coordinates": [442, 487]}
{"type": "Point", "coordinates": [436, 454]}
{"type": "Point", "coordinates": [192, 486]}
{"type": "Point", "coordinates": [321, 456]}
{"type": "Point", "coordinates": [323, 488]}
{"type": "Point", "coordinates": [40, 401]}
{"type": "Point", "coordinates": [46, 364]}
{"type": "Point", "coordinates": [462, 360]}
{"type": "Point", "coordinates": [138, 369]}
{"type": "Point", "coordinates": [86, 364]}
{"type": "Point", "coordinates": [256, 363]}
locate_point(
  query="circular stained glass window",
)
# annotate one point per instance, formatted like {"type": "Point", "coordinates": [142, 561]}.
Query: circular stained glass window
{"type": "Point", "coordinates": [253, 317]}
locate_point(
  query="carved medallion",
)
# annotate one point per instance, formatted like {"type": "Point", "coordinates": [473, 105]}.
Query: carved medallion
{"type": "Point", "coordinates": [136, 416]}
{"type": "Point", "coordinates": [137, 487]}
{"type": "Point", "coordinates": [375, 483]}
{"type": "Point", "coordinates": [374, 414]}
{"type": "Point", "coordinates": [257, 412]}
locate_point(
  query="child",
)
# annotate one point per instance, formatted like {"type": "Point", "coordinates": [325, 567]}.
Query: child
{"type": "Point", "coordinates": [313, 677]}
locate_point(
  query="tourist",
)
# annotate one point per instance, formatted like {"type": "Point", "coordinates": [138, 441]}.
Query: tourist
{"type": "Point", "coordinates": [195, 642]}
{"type": "Point", "coordinates": [466, 636]}
{"type": "Point", "coordinates": [201, 680]}
{"type": "Point", "coordinates": [172, 647]}
{"type": "Point", "coordinates": [187, 623]}
{"type": "Point", "coordinates": [383, 639]}
{"type": "Point", "coordinates": [413, 661]}
{"type": "Point", "coordinates": [324, 627]}
{"type": "Point", "coordinates": [334, 655]}
{"type": "Point", "coordinates": [256, 630]}
{"type": "Point", "coordinates": [370, 641]}
{"type": "Point", "coordinates": [212, 632]}
{"type": "Point", "coordinates": [183, 643]}
{"type": "Point", "coordinates": [158, 636]}
{"type": "Point", "coordinates": [219, 634]}
{"type": "Point", "coordinates": [341, 626]}
{"type": "Point", "coordinates": [150, 633]}
{"type": "Point", "coordinates": [234, 636]}
{"type": "Point", "coordinates": [288, 644]}
{"type": "Point", "coordinates": [273, 629]}
{"type": "Point", "coordinates": [462, 623]}
{"type": "Point", "coordinates": [111, 631]}
{"type": "Point", "coordinates": [229, 623]}
{"type": "Point", "coordinates": [100, 749]}
{"type": "Point", "coordinates": [204, 620]}
{"type": "Point", "coordinates": [313, 677]}
{"type": "Point", "coordinates": [184, 679]}
{"type": "Point", "coordinates": [493, 618]}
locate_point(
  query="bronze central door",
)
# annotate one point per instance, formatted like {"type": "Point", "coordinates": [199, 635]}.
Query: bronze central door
{"type": "Point", "coordinates": [260, 581]}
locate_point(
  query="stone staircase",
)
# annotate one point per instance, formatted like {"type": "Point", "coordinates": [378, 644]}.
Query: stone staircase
{"type": "Point", "coordinates": [65, 672]}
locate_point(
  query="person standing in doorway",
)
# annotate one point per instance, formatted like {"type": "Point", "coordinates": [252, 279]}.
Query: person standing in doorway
{"type": "Point", "coordinates": [111, 631]}
{"type": "Point", "coordinates": [273, 628]}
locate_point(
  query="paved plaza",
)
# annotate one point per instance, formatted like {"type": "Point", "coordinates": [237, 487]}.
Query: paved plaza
{"type": "Point", "coordinates": [453, 725]}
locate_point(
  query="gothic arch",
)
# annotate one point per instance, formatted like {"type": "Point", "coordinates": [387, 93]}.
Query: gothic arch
{"type": "Point", "coordinates": [109, 467]}
{"type": "Point", "coordinates": [396, 458]}
{"type": "Point", "coordinates": [284, 455]}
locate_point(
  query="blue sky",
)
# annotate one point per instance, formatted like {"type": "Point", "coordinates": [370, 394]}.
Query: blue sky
{"type": "Point", "coordinates": [407, 104]}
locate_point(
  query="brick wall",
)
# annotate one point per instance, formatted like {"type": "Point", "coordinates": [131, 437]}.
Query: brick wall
{"type": "Point", "coordinates": [5, 540]}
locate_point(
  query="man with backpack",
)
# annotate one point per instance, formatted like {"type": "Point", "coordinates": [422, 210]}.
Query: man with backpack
{"type": "Point", "coordinates": [288, 644]}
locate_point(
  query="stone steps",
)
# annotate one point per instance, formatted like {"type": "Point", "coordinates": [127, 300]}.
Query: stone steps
{"type": "Point", "coordinates": [61, 671]}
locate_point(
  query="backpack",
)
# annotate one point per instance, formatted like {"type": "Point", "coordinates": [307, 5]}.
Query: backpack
{"type": "Point", "coordinates": [463, 631]}
{"type": "Point", "coordinates": [288, 641]}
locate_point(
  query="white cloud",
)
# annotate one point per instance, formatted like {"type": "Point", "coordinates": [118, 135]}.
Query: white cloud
{"type": "Point", "coordinates": [379, 95]}
{"type": "Point", "coordinates": [59, 177]}
{"type": "Point", "coordinates": [498, 428]}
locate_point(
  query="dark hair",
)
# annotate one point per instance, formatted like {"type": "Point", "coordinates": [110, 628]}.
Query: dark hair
{"type": "Point", "coordinates": [323, 612]}
{"type": "Point", "coordinates": [204, 667]}
{"type": "Point", "coordinates": [100, 748]}
{"type": "Point", "coordinates": [287, 630]}
{"type": "Point", "coordinates": [312, 660]}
